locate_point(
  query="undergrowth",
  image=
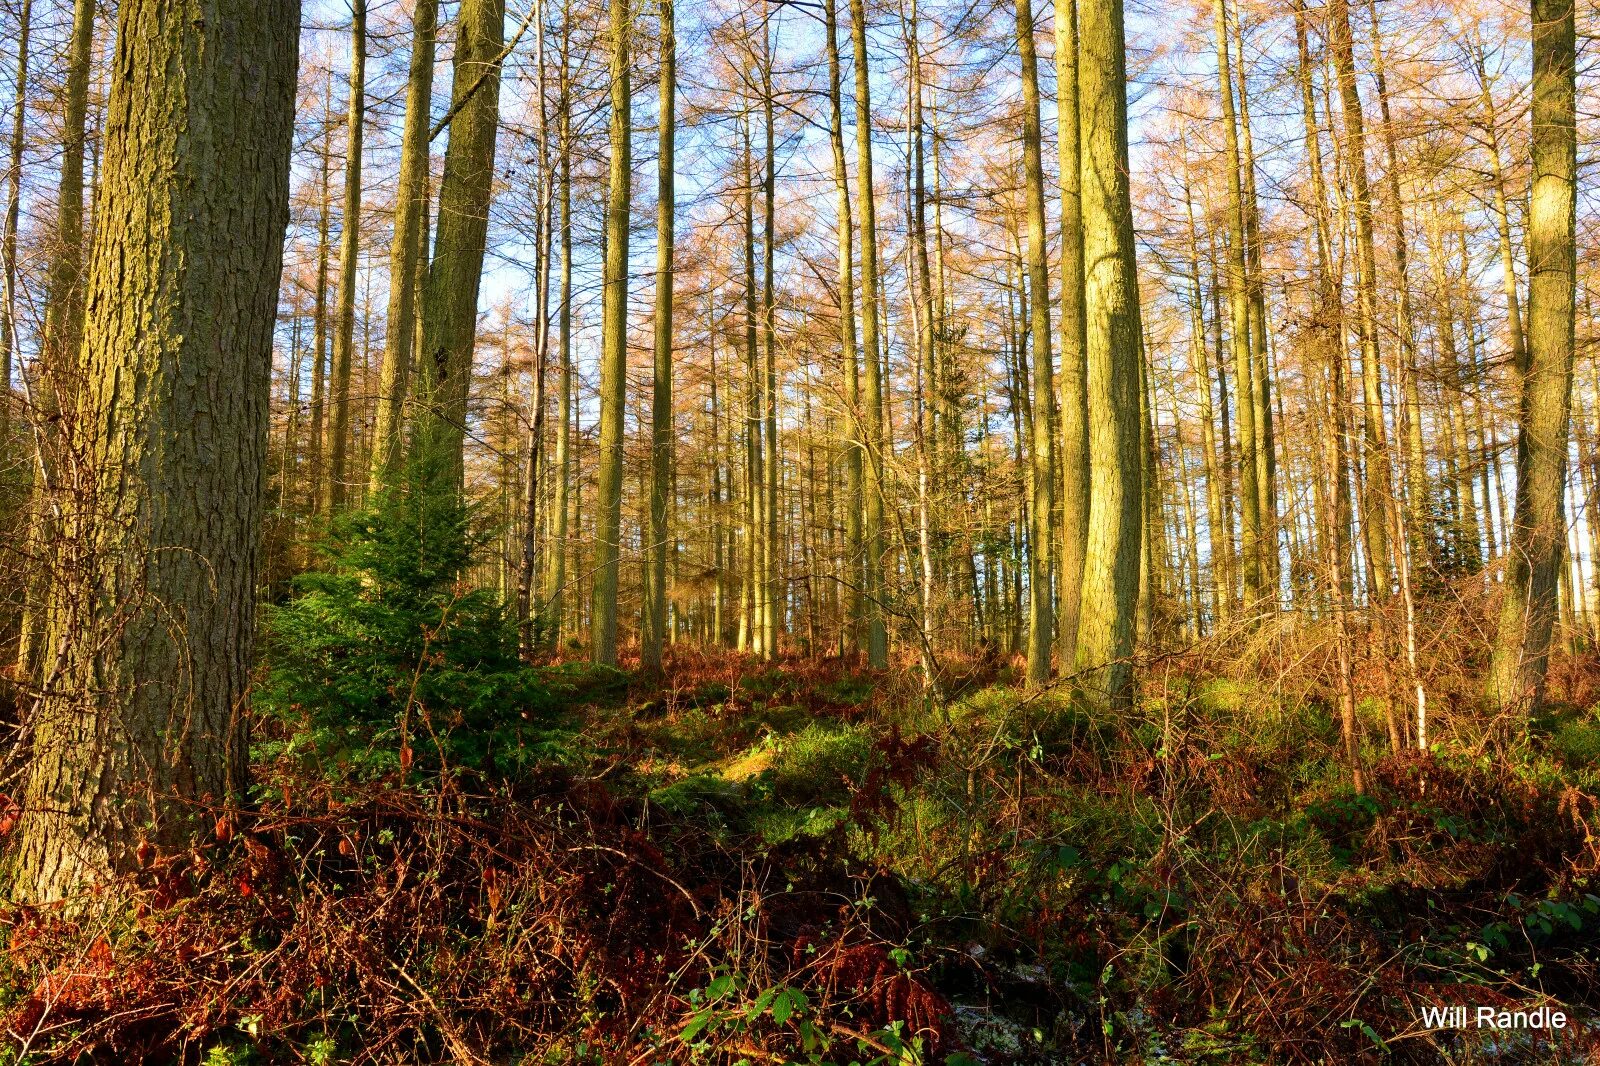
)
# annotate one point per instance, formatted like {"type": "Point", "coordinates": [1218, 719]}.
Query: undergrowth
{"type": "Point", "coordinates": [802, 863]}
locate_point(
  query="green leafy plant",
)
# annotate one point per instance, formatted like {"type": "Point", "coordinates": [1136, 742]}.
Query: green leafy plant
{"type": "Point", "coordinates": [388, 656]}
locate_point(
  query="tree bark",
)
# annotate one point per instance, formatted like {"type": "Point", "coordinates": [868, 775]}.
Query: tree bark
{"type": "Point", "coordinates": [872, 391]}
{"type": "Point", "coordinates": [614, 348]}
{"type": "Point", "coordinates": [1252, 531]}
{"type": "Point", "coordinates": [333, 487]}
{"type": "Point", "coordinates": [1113, 329]}
{"type": "Point", "coordinates": [1538, 533]}
{"type": "Point", "coordinates": [406, 250]}
{"type": "Point", "coordinates": [142, 730]}
{"type": "Point", "coordinates": [450, 299]}
{"type": "Point", "coordinates": [1074, 457]}
{"type": "Point", "coordinates": [1041, 607]}
{"type": "Point", "coordinates": [661, 427]}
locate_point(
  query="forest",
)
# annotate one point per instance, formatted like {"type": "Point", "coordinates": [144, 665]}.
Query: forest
{"type": "Point", "coordinates": [886, 533]}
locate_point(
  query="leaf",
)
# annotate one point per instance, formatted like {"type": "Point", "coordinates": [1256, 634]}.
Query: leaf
{"type": "Point", "coordinates": [697, 1023]}
{"type": "Point", "coordinates": [783, 1007]}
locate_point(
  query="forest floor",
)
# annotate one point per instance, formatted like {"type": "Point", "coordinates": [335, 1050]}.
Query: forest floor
{"type": "Point", "coordinates": [800, 862]}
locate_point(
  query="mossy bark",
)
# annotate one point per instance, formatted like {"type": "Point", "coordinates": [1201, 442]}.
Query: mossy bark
{"type": "Point", "coordinates": [450, 298]}
{"type": "Point", "coordinates": [1538, 533]}
{"type": "Point", "coordinates": [142, 730]}
{"type": "Point", "coordinates": [1113, 330]}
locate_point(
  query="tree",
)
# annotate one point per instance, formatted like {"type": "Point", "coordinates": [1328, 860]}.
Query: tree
{"type": "Point", "coordinates": [333, 487]}
{"type": "Point", "coordinates": [849, 360]}
{"type": "Point", "coordinates": [1538, 534]}
{"type": "Point", "coordinates": [1252, 527]}
{"type": "Point", "coordinates": [1074, 459]}
{"type": "Point", "coordinates": [450, 299]}
{"type": "Point", "coordinates": [141, 730]}
{"type": "Point", "coordinates": [872, 385]}
{"type": "Point", "coordinates": [1111, 304]}
{"type": "Point", "coordinates": [407, 250]}
{"type": "Point", "coordinates": [614, 346]}
{"type": "Point", "coordinates": [8, 235]}
{"type": "Point", "coordinates": [1041, 609]}
{"type": "Point", "coordinates": [661, 428]}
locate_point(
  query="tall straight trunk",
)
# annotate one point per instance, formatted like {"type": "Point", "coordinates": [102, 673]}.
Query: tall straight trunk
{"type": "Point", "coordinates": [63, 316]}
{"type": "Point", "coordinates": [1260, 391]}
{"type": "Point", "coordinates": [1411, 409]}
{"type": "Point", "coordinates": [319, 319]}
{"type": "Point", "coordinates": [849, 359]}
{"type": "Point", "coordinates": [872, 384]}
{"type": "Point", "coordinates": [1502, 216]}
{"type": "Point", "coordinates": [288, 462]}
{"type": "Point", "coordinates": [1041, 608]}
{"type": "Point", "coordinates": [1379, 489]}
{"type": "Point", "coordinates": [553, 609]}
{"type": "Point", "coordinates": [333, 487]}
{"type": "Point", "coordinates": [1329, 323]}
{"type": "Point", "coordinates": [8, 235]}
{"type": "Point", "coordinates": [926, 431]}
{"type": "Point", "coordinates": [613, 348]}
{"type": "Point", "coordinates": [142, 724]}
{"type": "Point", "coordinates": [661, 428]}
{"type": "Point", "coordinates": [450, 296]}
{"type": "Point", "coordinates": [1114, 332]}
{"type": "Point", "coordinates": [1251, 549]}
{"type": "Point", "coordinates": [1074, 457]}
{"type": "Point", "coordinates": [719, 554]}
{"type": "Point", "coordinates": [1538, 535]}
{"type": "Point", "coordinates": [63, 325]}
{"type": "Point", "coordinates": [771, 592]}
{"type": "Point", "coordinates": [750, 588]}
{"type": "Point", "coordinates": [406, 250]}
{"type": "Point", "coordinates": [1220, 536]}
{"type": "Point", "coordinates": [528, 622]}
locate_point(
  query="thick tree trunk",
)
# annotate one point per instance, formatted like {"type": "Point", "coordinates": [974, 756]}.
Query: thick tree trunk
{"type": "Point", "coordinates": [1538, 534]}
{"type": "Point", "coordinates": [142, 730]}
{"type": "Point", "coordinates": [1111, 303]}
{"type": "Point", "coordinates": [450, 301]}
{"type": "Point", "coordinates": [614, 349]}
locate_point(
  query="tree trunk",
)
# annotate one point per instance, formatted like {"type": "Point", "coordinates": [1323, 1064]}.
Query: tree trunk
{"type": "Point", "coordinates": [406, 250]}
{"type": "Point", "coordinates": [556, 543]}
{"type": "Point", "coordinates": [1074, 458]}
{"type": "Point", "coordinates": [8, 236]}
{"type": "Point", "coordinates": [333, 487]}
{"type": "Point", "coordinates": [1538, 534]}
{"type": "Point", "coordinates": [142, 730]}
{"type": "Point", "coordinates": [1111, 303]}
{"type": "Point", "coordinates": [614, 349]}
{"type": "Point", "coordinates": [1379, 488]}
{"type": "Point", "coordinates": [872, 393]}
{"type": "Point", "coordinates": [450, 299]}
{"type": "Point", "coordinates": [661, 427]}
{"type": "Point", "coordinates": [1041, 608]}
{"type": "Point", "coordinates": [1251, 548]}
{"type": "Point", "coordinates": [849, 357]}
